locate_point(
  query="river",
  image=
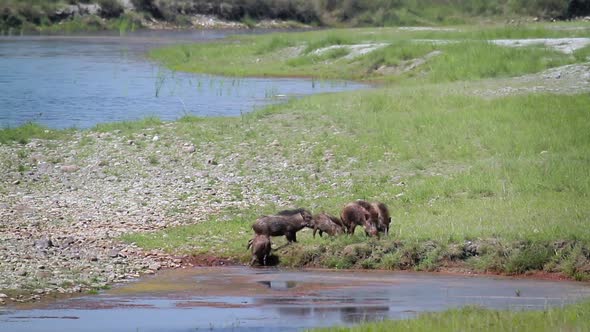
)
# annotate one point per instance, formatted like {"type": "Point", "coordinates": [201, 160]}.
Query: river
{"type": "Point", "coordinates": [271, 299]}
{"type": "Point", "coordinates": [80, 81]}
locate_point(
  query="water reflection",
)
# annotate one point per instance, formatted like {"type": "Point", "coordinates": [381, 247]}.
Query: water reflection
{"type": "Point", "coordinates": [348, 314]}
{"type": "Point", "coordinates": [278, 284]}
{"type": "Point", "coordinates": [246, 299]}
{"type": "Point", "coordinates": [362, 314]}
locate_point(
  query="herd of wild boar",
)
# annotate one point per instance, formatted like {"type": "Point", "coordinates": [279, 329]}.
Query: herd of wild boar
{"type": "Point", "coordinates": [373, 216]}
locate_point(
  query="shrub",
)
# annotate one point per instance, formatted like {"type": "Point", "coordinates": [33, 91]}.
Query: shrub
{"type": "Point", "coordinates": [529, 258]}
{"type": "Point", "coordinates": [577, 8]}
{"type": "Point", "coordinates": [110, 8]}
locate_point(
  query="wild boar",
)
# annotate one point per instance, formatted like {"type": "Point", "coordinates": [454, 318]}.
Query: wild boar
{"type": "Point", "coordinates": [325, 223]}
{"type": "Point", "coordinates": [287, 222]}
{"type": "Point", "coordinates": [261, 247]}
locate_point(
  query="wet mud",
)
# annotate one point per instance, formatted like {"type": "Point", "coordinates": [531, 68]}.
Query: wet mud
{"type": "Point", "coordinates": [269, 299]}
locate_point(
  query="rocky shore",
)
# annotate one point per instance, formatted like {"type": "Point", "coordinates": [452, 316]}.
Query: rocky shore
{"type": "Point", "coordinates": [64, 203]}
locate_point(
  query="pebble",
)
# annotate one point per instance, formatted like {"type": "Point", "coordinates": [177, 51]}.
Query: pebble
{"type": "Point", "coordinates": [70, 168]}
{"type": "Point", "coordinates": [189, 149]}
{"type": "Point", "coordinates": [114, 253]}
{"type": "Point", "coordinates": [43, 243]}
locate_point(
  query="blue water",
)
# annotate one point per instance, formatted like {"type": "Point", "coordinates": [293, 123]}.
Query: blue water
{"type": "Point", "coordinates": [269, 300]}
{"type": "Point", "coordinates": [65, 82]}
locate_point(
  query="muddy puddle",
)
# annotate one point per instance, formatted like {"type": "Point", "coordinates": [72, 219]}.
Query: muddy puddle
{"type": "Point", "coordinates": [248, 299]}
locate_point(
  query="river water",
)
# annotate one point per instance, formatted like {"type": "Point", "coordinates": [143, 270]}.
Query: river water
{"type": "Point", "coordinates": [79, 81]}
{"type": "Point", "coordinates": [270, 299]}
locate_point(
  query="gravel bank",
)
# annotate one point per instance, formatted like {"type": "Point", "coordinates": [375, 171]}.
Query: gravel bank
{"type": "Point", "coordinates": [64, 203]}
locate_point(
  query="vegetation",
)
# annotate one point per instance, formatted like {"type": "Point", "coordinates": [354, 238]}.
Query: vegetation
{"type": "Point", "coordinates": [45, 14]}
{"type": "Point", "coordinates": [127, 127]}
{"type": "Point", "coordinates": [25, 133]}
{"type": "Point", "coordinates": [52, 16]}
{"type": "Point", "coordinates": [298, 54]}
{"type": "Point", "coordinates": [477, 182]}
{"type": "Point", "coordinates": [472, 318]}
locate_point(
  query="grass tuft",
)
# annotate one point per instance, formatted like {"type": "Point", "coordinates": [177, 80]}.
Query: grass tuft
{"type": "Point", "coordinates": [127, 127]}
{"type": "Point", "coordinates": [23, 134]}
{"type": "Point", "coordinates": [474, 318]}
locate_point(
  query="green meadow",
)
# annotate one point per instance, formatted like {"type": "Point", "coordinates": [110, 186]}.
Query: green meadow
{"type": "Point", "coordinates": [466, 54]}
{"type": "Point", "coordinates": [510, 174]}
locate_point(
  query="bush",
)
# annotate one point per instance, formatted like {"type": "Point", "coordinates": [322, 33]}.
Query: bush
{"type": "Point", "coordinates": [110, 8]}
{"type": "Point", "coordinates": [529, 258]}
{"type": "Point", "coordinates": [354, 12]}
{"type": "Point", "coordinates": [577, 8]}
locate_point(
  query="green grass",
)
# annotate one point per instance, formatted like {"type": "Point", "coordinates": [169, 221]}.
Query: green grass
{"type": "Point", "coordinates": [127, 127]}
{"type": "Point", "coordinates": [23, 134]}
{"type": "Point", "coordinates": [510, 174]}
{"type": "Point", "coordinates": [475, 60]}
{"type": "Point", "coordinates": [583, 54]}
{"type": "Point", "coordinates": [469, 58]}
{"type": "Point", "coordinates": [570, 318]}
{"type": "Point", "coordinates": [219, 238]}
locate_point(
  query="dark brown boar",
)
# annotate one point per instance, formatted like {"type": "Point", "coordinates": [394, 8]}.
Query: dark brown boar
{"type": "Point", "coordinates": [353, 215]}
{"type": "Point", "coordinates": [325, 223]}
{"type": "Point", "coordinates": [261, 247]}
{"type": "Point", "coordinates": [286, 222]}
{"type": "Point", "coordinates": [371, 209]}
{"type": "Point", "coordinates": [384, 219]}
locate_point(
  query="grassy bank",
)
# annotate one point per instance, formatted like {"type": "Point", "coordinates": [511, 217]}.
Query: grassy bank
{"type": "Point", "coordinates": [23, 134]}
{"type": "Point", "coordinates": [305, 54]}
{"type": "Point", "coordinates": [491, 185]}
{"type": "Point", "coordinates": [571, 318]}
{"type": "Point", "coordinates": [495, 184]}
